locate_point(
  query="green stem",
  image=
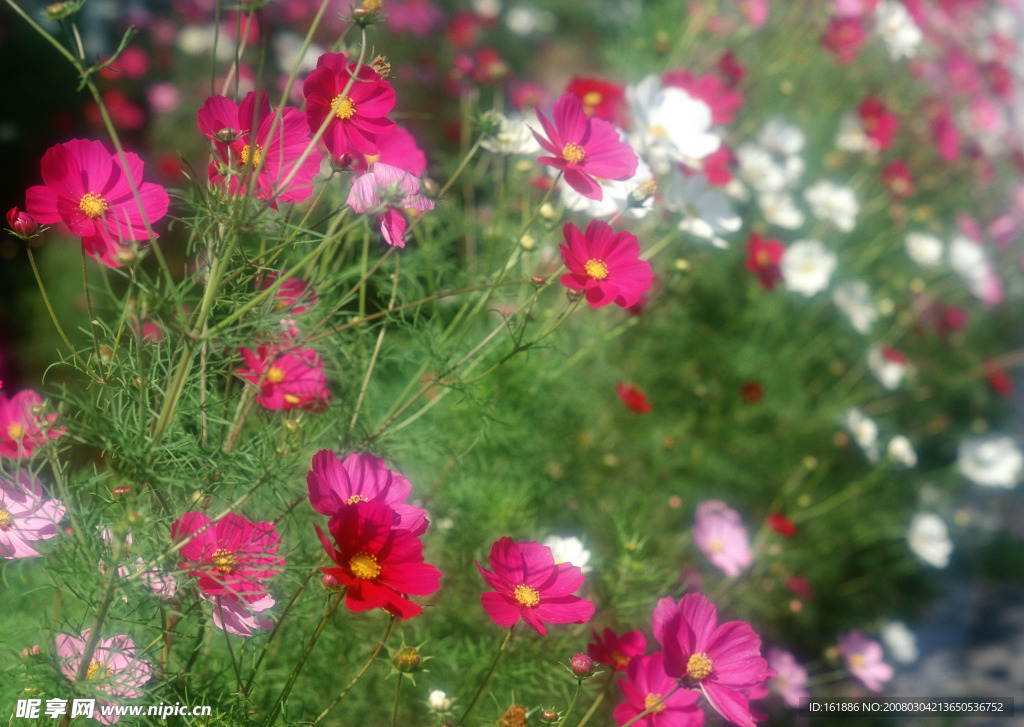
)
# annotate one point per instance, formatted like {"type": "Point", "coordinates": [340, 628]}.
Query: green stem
{"type": "Point", "coordinates": [654, 706]}
{"type": "Point", "coordinates": [53, 317]}
{"type": "Point", "coordinates": [597, 702]}
{"type": "Point", "coordinates": [394, 709]}
{"type": "Point", "coordinates": [487, 676]}
{"type": "Point", "coordinates": [572, 704]}
{"type": "Point", "coordinates": [358, 676]}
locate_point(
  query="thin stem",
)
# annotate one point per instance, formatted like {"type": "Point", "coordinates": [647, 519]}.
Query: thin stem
{"type": "Point", "coordinates": [88, 306]}
{"type": "Point", "coordinates": [654, 706]}
{"type": "Point", "coordinates": [53, 316]}
{"type": "Point", "coordinates": [394, 709]}
{"type": "Point", "coordinates": [572, 704]}
{"type": "Point", "coordinates": [487, 676]}
{"type": "Point", "coordinates": [597, 702]}
{"type": "Point", "coordinates": [358, 676]}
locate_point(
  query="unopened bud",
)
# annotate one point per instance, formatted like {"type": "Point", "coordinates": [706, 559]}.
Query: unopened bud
{"type": "Point", "coordinates": [407, 659]}
{"type": "Point", "coordinates": [429, 187]}
{"type": "Point", "coordinates": [331, 583]}
{"type": "Point", "coordinates": [226, 135]}
{"type": "Point", "coordinates": [582, 666]}
{"type": "Point", "coordinates": [292, 425]}
{"type": "Point", "coordinates": [528, 242]}
{"type": "Point", "coordinates": [547, 211]}
{"type": "Point", "coordinates": [30, 651]}
{"type": "Point", "coordinates": [549, 716]}
{"type": "Point", "coordinates": [538, 279]}
{"type": "Point", "coordinates": [127, 255]}
{"type": "Point", "coordinates": [121, 490]}
{"type": "Point", "coordinates": [573, 295]}
{"type": "Point", "coordinates": [22, 223]}
{"type": "Point", "coordinates": [61, 10]}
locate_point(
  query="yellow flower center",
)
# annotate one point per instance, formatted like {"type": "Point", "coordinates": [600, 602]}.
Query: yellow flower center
{"type": "Point", "coordinates": [15, 430]}
{"type": "Point", "coordinates": [620, 660]}
{"type": "Point", "coordinates": [5, 519]}
{"type": "Point", "coordinates": [857, 661]}
{"type": "Point", "coordinates": [95, 668]}
{"type": "Point", "coordinates": [92, 205]}
{"type": "Point", "coordinates": [357, 498]}
{"type": "Point", "coordinates": [716, 546]}
{"type": "Point", "coordinates": [596, 269]}
{"type": "Point", "coordinates": [652, 699]}
{"type": "Point", "coordinates": [346, 109]}
{"type": "Point", "coordinates": [255, 151]}
{"type": "Point", "coordinates": [364, 566]}
{"type": "Point", "coordinates": [275, 375]}
{"type": "Point", "coordinates": [527, 595]}
{"type": "Point", "coordinates": [371, 158]}
{"type": "Point", "coordinates": [590, 100]}
{"type": "Point", "coordinates": [699, 666]}
{"type": "Point", "coordinates": [292, 399]}
{"type": "Point", "coordinates": [224, 560]}
{"type": "Point", "coordinates": [658, 131]}
{"type": "Point", "coordinates": [573, 153]}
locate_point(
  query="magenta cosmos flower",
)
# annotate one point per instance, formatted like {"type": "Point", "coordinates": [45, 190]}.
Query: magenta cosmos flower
{"type": "Point", "coordinates": [378, 562]}
{"type": "Point", "coordinates": [720, 535]}
{"type": "Point", "coordinates": [25, 516]}
{"type": "Point", "coordinates": [287, 380]}
{"type": "Point", "coordinates": [605, 265]}
{"type": "Point", "coordinates": [863, 657]}
{"type": "Point", "coordinates": [724, 661]}
{"type": "Point", "coordinates": [88, 189]}
{"type": "Point", "coordinates": [113, 669]}
{"type": "Point", "coordinates": [23, 428]}
{"type": "Point", "coordinates": [529, 585]}
{"type": "Point", "coordinates": [616, 651]}
{"type": "Point", "coordinates": [387, 190]}
{"type": "Point", "coordinates": [251, 136]}
{"type": "Point", "coordinates": [335, 483]}
{"type": "Point", "coordinates": [358, 123]}
{"type": "Point", "coordinates": [230, 557]}
{"type": "Point", "coordinates": [584, 147]}
{"type": "Point", "coordinates": [645, 685]}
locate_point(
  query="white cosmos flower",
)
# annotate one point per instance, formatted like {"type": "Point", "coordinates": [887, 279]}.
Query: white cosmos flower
{"type": "Point", "coordinates": [888, 365]}
{"type": "Point", "coordinates": [671, 125]}
{"type": "Point", "coordinates": [782, 138]}
{"type": "Point", "coordinates": [780, 210]}
{"type": "Point", "coordinates": [924, 249]}
{"type": "Point", "coordinates": [634, 197]}
{"type": "Point", "coordinates": [853, 298]}
{"type": "Point", "coordinates": [901, 450]}
{"type": "Point", "coordinates": [807, 267]}
{"type": "Point", "coordinates": [439, 701]}
{"type": "Point", "coordinates": [991, 461]}
{"type": "Point", "coordinates": [851, 136]}
{"type": "Point", "coordinates": [513, 137]}
{"type": "Point", "coordinates": [929, 539]}
{"type": "Point", "coordinates": [898, 30]}
{"type": "Point", "coordinates": [834, 203]}
{"type": "Point", "coordinates": [968, 260]}
{"type": "Point", "coordinates": [706, 212]}
{"type": "Point", "coordinates": [569, 550]}
{"type": "Point", "coordinates": [900, 642]}
{"type": "Point", "coordinates": [864, 431]}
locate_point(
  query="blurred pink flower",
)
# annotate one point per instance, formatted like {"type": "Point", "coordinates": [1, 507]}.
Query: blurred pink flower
{"type": "Point", "coordinates": [720, 535]}
{"type": "Point", "coordinates": [287, 378]}
{"type": "Point", "coordinates": [529, 585]}
{"type": "Point", "coordinates": [397, 150]}
{"type": "Point", "coordinates": [23, 426]}
{"type": "Point", "coordinates": [113, 669]}
{"type": "Point", "coordinates": [645, 685]}
{"type": "Point", "coordinates": [863, 657]}
{"type": "Point", "coordinates": [386, 190]}
{"type": "Point", "coordinates": [843, 38]}
{"type": "Point", "coordinates": [605, 265]}
{"type": "Point", "coordinates": [239, 615]}
{"type": "Point", "coordinates": [415, 17]}
{"type": "Point", "coordinates": [24, 515]}
{"type": "Point", "coordinates": [790, 680]}
{"type": "Point", "coordinates": [616, 651]}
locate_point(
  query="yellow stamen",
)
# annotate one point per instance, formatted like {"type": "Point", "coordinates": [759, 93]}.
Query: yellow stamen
{"type": "Point", "coordinates": [652, 699]}
{"type": "Point", "coordinates": [658, 131]}
{"type": "Point", "coordinates": [590, 100]}
{"type": "Point", "coordinates": [95, 667]}
{"type": "Point", "coordinates": [857, 661]}
{"type": "Point", "coordinates": [699, 666]}
{"type": "Point", "coordinates": [596, 269]}
{"type": "Point", "coordinates": [527, 596]}
{"type": "Point", "coordinates": [92, 205]}
{"type": "Point", "coordinates": [346, 109]}
{"type": "Point", "coordinates": [357, 498]}
{"type": "Point", "coordinates": [291, 399]}
{"type": "Point", "coordinates": [275, 375]}
{"type": "Point", "coordinates": [573, 153]}
{"type": "Point", "coordinates": [15, 430]}
{"type": "Point", "coordinates": [5, 519]}
{"type": "Point", "coordinates": [224, 560]}
{"type": "Point", "coordinates": [371, 158]}
{"type": "Point", "coordinates": [257, 155]}
{"type": "Point", "coordinates": [364, 566]}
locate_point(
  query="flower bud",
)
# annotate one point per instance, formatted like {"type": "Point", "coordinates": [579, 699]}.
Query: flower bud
{"type": "Point", "coordinates": [538, 279]}
{"type": "Point", "coordinates": [61, 10]}
{"type": "Point", "coordinates": [126, 255]}
{"type": "Point", "coordinates": [121, 490]}
{"type": "Point", "coordinates": [22, 223]}
{"type": "Point", "coordinates": [407, 659]}
{"type": "Point", "coordinates": [582, 666]}
{"type": "Point", "coordinates": [439, 701]}
{"type": "Point", "coordinates": [549, 715]}
{"type": "Point", "coordinates": [381, 65]}
{"type": "Point", "coordinates": [331, 583]}
{"type": "Point", "coordinates": [30, 651]}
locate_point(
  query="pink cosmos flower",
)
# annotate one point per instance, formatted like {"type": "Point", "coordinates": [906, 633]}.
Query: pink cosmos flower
{"type": "Point", "coordinates": [21, 223]}
{"type": "Point", "coordinates": [378, 562]}
{"type": "Point", "coordinates": [616, 651]}
{"type": "Point", "coordinates": [397, 150]}
{"type": "Point", "coordinates": [725, 661]}
{"type": "Point", "coordinates": [601, 98]}
{"type": "Point", "coordinates": [294, 297]}
{"type": "Point", "coordinates": [22, 428]}
{"type": "Point", "coordinates": [288, 379]}
{"type": "Point", "coordinates": [252, 135]}
{"type": "Point", "coordinates": [386, 190]}
{"type": "Point", "coordinates": [634, 399]}
{"type": "Point", "coordinates": [645, 685]}
{"type": "Point", "coordinates": [25, 516]}
{"type": "Point", "coordinates": [863, 657]}
{"type": "Point", "coordinates": [231, 557]}
{"type": "Point", "coordinates": [359, 122]}
{"type": "Point", "coordinates": [879, 124]}
{"type": "Point", "coordinates": [764, 255]}
{"type": "Point", "coordinates": [720, 535]}
{"type": "Point", "coordinates": [790, 680]}
{"type": "Point", "coordinates": [113, 669]}
{"type": "Point", "coordinates": [843, 38]}
{"type": "Point", "coordinates": [88, 189]}
{"type": "Point", "coordinates": [334, 484]}
{"type": "Point", "coordinates": [605, 265]}
{"type": "Point", "coordinates": [584, 147]}
{"type": "Point", "coordinates": [529, 585]}
{"type": "Point", "coordinates": [239, 615]}
{"type": "Point", "coordinates": [898, 180]}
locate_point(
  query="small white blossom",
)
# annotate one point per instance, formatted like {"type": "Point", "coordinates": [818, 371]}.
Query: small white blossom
{"type": "Point", "coordinates": [834, 203]}
{"type": "Point", "coordinates": [851, 136]}
{"type": "Point", "coordinates": [853, 298]}
{"type": "Point", "coordinates": [898, 30]}
{"type": "Point", "coordinates": [780, 210]}
{"type": "Point", "coordinates": [569, 550]}
{"type": "Point", "coordinates": [633, 197]}
{"type": "Point", "coordinates": [900, 642]}
{"type": "Point", "coordinates": [670, 124]}
{"type": "Point", "coordinates": [864, 431]}
{"type": "Point", "coordinates": [807, 267]}
{"type": "Point", "coordinates": [991, 461]}
{"type": "Point", "coordinates": [706, 212]}
{"type": "Point", "coordinates": [513, 137]}
{"type": "Point", "coordinates": [782, 138]}
{"type": "Point", "coordinates": [968, 260]}
{"type": "Point", "coordinates": [439, 701]}
{"type": "Point", "coordinates": [888, 365]}
{"type": "Point", "coordinates": [901, 450]}
{"type": "Point", "coordinates": [929, 539]}
{"type": "Point", "coordinates": [924, 249]}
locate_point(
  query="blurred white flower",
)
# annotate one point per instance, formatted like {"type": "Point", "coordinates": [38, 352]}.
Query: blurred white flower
{"type": "Point", "coordinates": [706, 212]}
{"type": "Point", "coordinates": [864, 431]}
{"type": "Point", "coordinates": [901, 450]}
{"type": "Point", "coordinates": [782, 138]}
{"type": "Point", "coordinates": [924, 249]}
{"type": "Point", "coordinates": [929, 539]}
{"type": "Point", "coordinates": [670, 125]}
{"type": "Point", "coordinates": [853, 298]}
{"type": "Point", "coordinates": [807, 267]}
{"type": "Point", "coordinates": [851, 136]}
{"type": "Point", "coordinates": [633, 197]}
{"type": "Point", "coordinates": [900, 642]}
{"type": "Point", "coordinates": [834, 203]}
{"type": "Point", "coordinates": [969, 261]}
{"type": "Point", "coordinates": [897, 29]}
{"type": "Point", "coordinates": [569, 550]}
{"type": "Point", "coordinates": [513, 137]}
{"type": "Point", "coordinates": [439, 701]}
{"type": "Point", "coordinates": [990, 461]}
{"type": "Point", "coordinates": [888, 365]}
{"type": "Point", "coordinates": [780, 210]}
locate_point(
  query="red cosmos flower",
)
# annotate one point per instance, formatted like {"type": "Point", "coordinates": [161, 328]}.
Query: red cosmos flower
{"type": "Point", "coordinates": [763, 259]}
{"type": "Point", "coordinates": [843, 38]}
{"type": "Point", "coordinates": [723, 100]}
{"type": "Point", "coordinates": [646, 684]}
{"type": "Point", "coordinates": [584, 147]}
{"type": "Point", "coordinates": [731, 69]}
{"type": "Point", "coordinates": [616, 651]}
{"type": "Point", "coordinates": [334, 484]}
{"type": "Point", "coordinates": [287, 380]}
{"type": "Point", "coordinates": [529, 585]}
{"type": "Point", "coordinates": [998, 380]}
{"type": "Point", "coordinates": [377, 561]}
{"type": "Point", "coordinates": [253, 135]}
{"type": "Point", "coordinates": [88, 189]}
{"type": "Point", "coordinates": [944, 131]}
{"type": "Point", "coordinates": [724, 661]}
{"type": "Point", "coordinates": [231, 557]}
{"type": "Point", "coordinates": [781, 524]}
{"type": "Point", "coordinates": [898, 179]}
{"type": "Point", "coordinates": [358, 124]}
{"type": "Point", "coordinates": [878, 122]}
{"type": "Point", "coordinates": [604, 264]}
{"type": "Point", "coordinates": [633, 398]}
{"type": "Point", "coordinates": [22, 429]}
{"type": "Point", "coordinates": [600, 98]}
{"type": "Point", "coordinates": [752, 392]}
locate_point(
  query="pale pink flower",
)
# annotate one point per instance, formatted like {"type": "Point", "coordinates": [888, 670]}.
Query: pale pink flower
{"type": "Point", "coordinates": [23, 426]}
{"type": "Point", "coordinates": [790, 680]}
{"type": "Point", "coordinates": [25, 516]}
{"type": "Point", "coordinates": [113, 669]}
{"type": "Point", "coordinates": [240, 615]}
{"type": "Point", "coordinates": [720, 535]}
{"type": "Point", "coordinates": [385, 189]}
{"type": "Point", "coordinates": [863, 657]}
